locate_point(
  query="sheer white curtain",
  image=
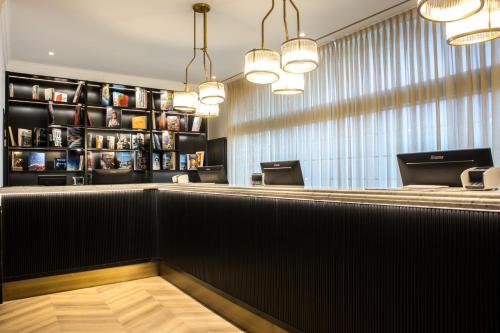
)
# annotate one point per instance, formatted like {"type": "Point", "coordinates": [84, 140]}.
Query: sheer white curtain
{"type": "Point", "coordinates": [391, 88]}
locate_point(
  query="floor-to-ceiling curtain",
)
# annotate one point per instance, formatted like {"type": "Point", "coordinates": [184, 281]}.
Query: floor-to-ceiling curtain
{"type": "Point", "coordinates": [391, 88]}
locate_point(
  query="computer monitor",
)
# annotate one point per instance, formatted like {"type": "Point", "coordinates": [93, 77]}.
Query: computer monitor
{"type": "Point", "coordinates": [111, 176]}
{"type": "Point", "coordinates": [215, 174]}
{"type": "Point", "coordinates": [282, 173]}
{"type": "Point", "coordinates": [441, 168]}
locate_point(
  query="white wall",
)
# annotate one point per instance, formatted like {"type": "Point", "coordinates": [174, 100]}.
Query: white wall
{"type": "Point", "coordinates": [217, 127]}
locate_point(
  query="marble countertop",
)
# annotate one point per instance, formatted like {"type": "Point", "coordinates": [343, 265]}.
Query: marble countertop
{"type": "Point", "coordinates": [446, 198]}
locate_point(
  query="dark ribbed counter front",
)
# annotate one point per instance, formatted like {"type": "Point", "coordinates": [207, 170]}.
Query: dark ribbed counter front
{"type": "Point", "coordinates": [316, 261]}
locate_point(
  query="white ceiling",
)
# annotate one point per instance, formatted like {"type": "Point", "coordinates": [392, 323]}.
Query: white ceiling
{"type": "Point", "coordinates": [153, 38]}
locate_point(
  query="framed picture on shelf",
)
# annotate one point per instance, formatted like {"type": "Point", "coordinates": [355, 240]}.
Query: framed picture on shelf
{"type": "Point", "coordinates": [17, 161]}
{"type": "Point", "coordinates": [113, 117]}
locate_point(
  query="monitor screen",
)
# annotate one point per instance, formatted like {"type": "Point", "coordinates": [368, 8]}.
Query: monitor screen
{"type": "Point", "coordinates": [215, 174]}
{"type": "Point", "coordinates": [282, 173]}
{"type": "Point", "coordinates": [441, 167]}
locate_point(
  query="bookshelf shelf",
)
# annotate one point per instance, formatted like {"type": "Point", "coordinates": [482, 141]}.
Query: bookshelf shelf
{"type": "Point", "coordinates": [24, 120]}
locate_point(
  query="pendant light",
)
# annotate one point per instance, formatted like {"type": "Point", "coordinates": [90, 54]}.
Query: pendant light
{"type": "Point", "coordinates": [211, 91]}
{"type": "Point", "coordinates": [298, 55]}
{"type": "Point", "coordinates": [448, 10]}
{"type": "Point", "coordinates": [480, 27]}
{"type": "Point", "coordinates": [207, 110]}
{"type": "Point", "coordinates": [262, 66]}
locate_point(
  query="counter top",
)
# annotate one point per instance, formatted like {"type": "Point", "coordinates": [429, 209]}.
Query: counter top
{"type": "Point", "coordinates": [446, 198]}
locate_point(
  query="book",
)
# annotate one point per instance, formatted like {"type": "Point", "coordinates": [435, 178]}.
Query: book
{"type": "Point", "coordinates": [60, 97]}
{"type": "Point", "coordinates": [107, 160]}
{"type": "Point", "coordinates": [90, 161]}
{"type": "Point", "coordinates": [200, 157]}
{"type": "Point", "coordinates": [168, 140]}
{"type": "Point", "coordinates": [105, 96]}
{"type": "Point", "coordinates": [139, 122]}
{"type": "Point", "coordinates": [125, 160]}
{"type": "Point", "coordinates": [162, 121]}
{"type": "Point", "coordinates": [35, 92]}
{"type": "Point", "coordinates": [157, 141]}
{"type": "Point", "coordinates": [49, 94]}
{"type": "Point", "coordinates": [113, 117]}
{"type": "Point", "coordinates": [99, 139]}
{"type": "Point", "coordinates": [90, 138]}
{"type": "Point", "coordinates": [75, 138]}
{"type": "Point", "coordinates": [174, 123]}
{"type": "Point", "coordinates": [24, 137]}
{"type": "Point", "coordinates": [141, 161]}
{"type": "Point", "coordinates": [55, 137]}
{"type": "Point", "coordinates": [137, 141]}
{"type": "Point", "coordinates": [78, 92]}
{"type": "Point", "coordinates": [196, 124]}
{"type": "Point", "coordinates": [192, 162]}
{"type": "Point", "coordinates": [40, 137]}
{"type": "Point", "coordinates": [36, 161]}
{"type": "Point", "coordinates": [168, 161]}
{"type": "Point", "coordinates": [11, 90]}
{"type": "Point", "coordinates": [12, 139]}
{"type": "Point", "coordinates": [111, 141]}
{"type": "Point", "coordinates": [140, 98]}
{"type": "Point", "coordinates": [60, 164]}
{"type": "Point", "coordinates": [52, 115]}
{"type": "Point", "coordinates": [182, 162]}
{"type": "Point", "coordinates": [156, 161]}
{"type": "Point", "coordinates": [74, 162]}
{"type": "Point", "coordinates": [17, 162]}
{"type": "Point", "coordinates": [124, 141]}
{"type": "Point", "coordinates": [120, 99]}
{"type": "Point", "coordinates": [166, 100]}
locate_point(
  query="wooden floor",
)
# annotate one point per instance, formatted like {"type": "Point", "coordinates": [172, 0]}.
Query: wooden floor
{"type": "Point", "coordinates": [148, 305]}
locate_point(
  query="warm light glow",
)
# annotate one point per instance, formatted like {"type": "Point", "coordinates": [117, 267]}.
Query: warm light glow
{"type": "Point", "coordinates": [205, 110]}
{"type": "Point", "coordinates": [289, 84]}
{"type": "Point", "coordinates": [262, 66]}
{"type": "Point", "coordinates": [480, 27]}
{"type": "Point", "coordinates": [185, 101]}
{"type": "Point", "coordinates": [212, 92]}
{"type": "Point", "coordinates": [51, 53]}
{"type": "Point", "coordinates": [299, 55]}
{"type": "Point", "coordinates": [448, 10]}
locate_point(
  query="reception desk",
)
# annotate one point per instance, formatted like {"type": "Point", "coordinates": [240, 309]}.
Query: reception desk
{"type": "Point", "coordinates": [303, 260]}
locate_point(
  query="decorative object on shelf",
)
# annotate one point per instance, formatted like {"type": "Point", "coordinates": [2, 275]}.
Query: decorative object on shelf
{"type": "Point", "coordinates": [55, 137]}
{"type": "Point", "coordinates": [11, 90]}
{"type": "Point", "coordinates": [196, 124]}
{"type": "Point", "coordinates": [139, 122]}
{"type": "Point", "coordinates": [288, 84]}
{"type": "Point", "coordinates": [211, 91]}
{"type": "Point", "coordinates": [168, 140]}
{"type": "Point", "coordinates": [49, 94]}
{"type": "Point", "coordinates": [99, 141]}
{"type": "Point", "coordinates": [166, 102]}
{"type": "Point", "coordinates": [156, 162]}
{"type": "Point", "coordinates": [12, 139]}
{"type": "Point", "coordinates": [120, 99]}
{"type": "Point", "coordinates": [207, 111]}
{"type": "Point", "coordinates": [34, 92]}
{"type": "Point", "coordinates": [192, 162]}
{"type": "Point", "coordinates": [36, 161]}
{"type": "Point", "coordinates": [60, 164]}
{"type": "Point", "coordinates": [174, 123]}
{"type": "Point", "coordinates": [140, 98]}
{"type": "Point", "coordinates": [60, 97]}
{"type": "Point", "coordinates": [448, 10]}
{"type": "Point", "coordinates": [200, 156]}
{"type": "Point", "coordinates": [17, 163]}
{"type": "Point", "coordinates": [52, 116]}
{"type": "Point", "coordinates": [110, 139]}
{"type": "Point", "coordinates": [113, 117]}
{"type": "Point", "coordinates": [480, 27]}
{"type": "Point", "coordinates": [105, 95]}
{"type": "Point", "coordinates": [183, 162]}
{"type": "Point", "coordinates": [24, 137]}
{"type": "Point", "coordinates": [299, 55]}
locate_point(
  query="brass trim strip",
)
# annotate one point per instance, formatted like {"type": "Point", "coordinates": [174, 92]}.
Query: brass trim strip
{"type": "Point", "coordinates": [237, 314]}
{"type": "Point", "coordinates": [64, 282]}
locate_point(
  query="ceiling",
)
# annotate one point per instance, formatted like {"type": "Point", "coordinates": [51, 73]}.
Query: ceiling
{"type": "Point", "coordinates": [153, 38]}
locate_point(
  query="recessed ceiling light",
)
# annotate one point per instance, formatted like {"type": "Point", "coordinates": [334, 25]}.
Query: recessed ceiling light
{"type": "Point", "coordinates": [51, 53]}
{"type": "Point", "coordinates": [302, 34]}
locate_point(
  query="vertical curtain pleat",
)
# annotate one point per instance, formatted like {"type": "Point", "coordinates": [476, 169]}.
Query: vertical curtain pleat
{"type": "Point", "coordinates": [394, 87]}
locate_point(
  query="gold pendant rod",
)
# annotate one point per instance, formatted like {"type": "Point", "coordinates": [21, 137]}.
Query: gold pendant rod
{"type": "Point", "coordinates": [262, 24]}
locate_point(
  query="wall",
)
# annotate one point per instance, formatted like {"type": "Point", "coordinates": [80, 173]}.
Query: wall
{"type": "Point", "coordinates": [3, 61]}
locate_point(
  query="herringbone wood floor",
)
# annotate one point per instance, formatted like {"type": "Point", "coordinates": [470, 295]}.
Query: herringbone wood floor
{"type": "Point", "coordinates": [148, 305]}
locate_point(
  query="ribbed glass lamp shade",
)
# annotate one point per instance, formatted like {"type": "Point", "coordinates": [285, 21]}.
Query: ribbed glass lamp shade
{"type": "Point", "coordinates": [480, 27]}
{"type": "Point", "coordinates": [212, 92]}
{"type": "Point", "coordinates": [207, 110]}
{"type": "Point", "coordinates": [289, 84]}
{"type": "Point", "coordinates": [299, 55]}
{"type": "Point", "coordinates": [185, 101]}
{"type": "Point", "coordinates": [262, 66]}
{"type": "Point", "coordinates": [448, 10]}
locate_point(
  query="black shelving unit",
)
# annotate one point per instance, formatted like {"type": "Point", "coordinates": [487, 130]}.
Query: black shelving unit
{"type": "Point", "coordinates": [22, 111]}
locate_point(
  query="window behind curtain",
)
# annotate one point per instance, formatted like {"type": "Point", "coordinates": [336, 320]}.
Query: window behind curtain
{"type": "Point", "coordinates": [392, 88]}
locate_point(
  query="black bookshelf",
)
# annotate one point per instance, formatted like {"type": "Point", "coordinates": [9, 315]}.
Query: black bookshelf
{"type": "Point", "coordinates": [24, 112]}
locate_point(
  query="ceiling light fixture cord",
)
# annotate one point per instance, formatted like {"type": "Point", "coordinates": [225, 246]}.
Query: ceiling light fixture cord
{"type": "Point", "coordinates": [262, 24]}
{"type": "Point", "coordinates": [298, 18]}
{"type": "Point", "coordinates": [284, 20]}
{"type": "Point", "coordinates": [194, 54]}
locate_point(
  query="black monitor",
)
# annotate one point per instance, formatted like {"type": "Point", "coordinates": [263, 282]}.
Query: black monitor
{"type": "Point", "coordinates": [215, 174]}
{"type": "Point", "coordinates": [52, 180]}
{"type": "Point", "coordinates": [441, 168]}
{"type": "Point", "coordinates": [282, 173]}
{"type": "Point", "coordinates": [111, 176]}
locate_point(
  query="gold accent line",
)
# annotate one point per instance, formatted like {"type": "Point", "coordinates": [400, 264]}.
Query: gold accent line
{"type": "Point", "coordinates": [64, 282]}
{"type": "Point", "coordinates": [231, 311]}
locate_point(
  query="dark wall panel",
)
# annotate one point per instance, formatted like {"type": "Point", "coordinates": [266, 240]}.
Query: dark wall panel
{"type": "Point", "coordinates": [339, 267]}
{"type": "Point", "coordinates": [57, 233]}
